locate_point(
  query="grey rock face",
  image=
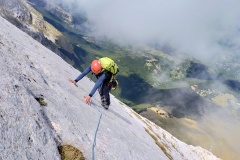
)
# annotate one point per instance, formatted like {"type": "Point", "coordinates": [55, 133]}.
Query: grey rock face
{"type": "Point", "coordinates": [31, 130]}
{"type": "Point", "coordinates": [16, 9]}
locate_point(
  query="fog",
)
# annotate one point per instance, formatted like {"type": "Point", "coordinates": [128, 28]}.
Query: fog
{"type": "Point", "coordinates": [207, 30]}
{"type": "Point", "coordinates": [213, 127]}
{"type": "Point", "coordinates": [201, 28]}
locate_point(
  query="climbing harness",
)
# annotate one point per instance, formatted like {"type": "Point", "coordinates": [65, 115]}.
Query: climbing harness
{"type": "Point", "coordinates": [113, 84]}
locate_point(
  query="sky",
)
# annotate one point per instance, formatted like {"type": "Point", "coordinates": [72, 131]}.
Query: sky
{"type": "Point", "coordinates": [202, 28]}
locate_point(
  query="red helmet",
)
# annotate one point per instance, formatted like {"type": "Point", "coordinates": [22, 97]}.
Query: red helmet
{"type": "Point", "coordinates": [96, 67]}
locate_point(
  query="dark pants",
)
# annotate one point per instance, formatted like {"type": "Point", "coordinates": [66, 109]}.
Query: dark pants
{"type": "Point", "coordinates": [105, 89]}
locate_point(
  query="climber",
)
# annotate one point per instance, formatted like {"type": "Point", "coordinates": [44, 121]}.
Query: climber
{"type": "Point", "coordinates": [105, 70]}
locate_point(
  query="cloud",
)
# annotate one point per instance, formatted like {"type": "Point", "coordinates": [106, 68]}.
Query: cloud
{"type": "Point", "coordinates": [201, 27]}
{"type": "Point", "coordinates": [221, 127]}
{"type": "Point", "coordinates": [206, 29]}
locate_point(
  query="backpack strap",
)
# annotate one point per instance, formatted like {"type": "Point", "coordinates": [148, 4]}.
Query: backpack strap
{"type": "Point", "coordinates": [115, 71]}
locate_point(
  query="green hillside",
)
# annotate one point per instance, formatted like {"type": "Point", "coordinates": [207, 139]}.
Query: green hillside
{"type": "Point", "coordinates": [142, 71]}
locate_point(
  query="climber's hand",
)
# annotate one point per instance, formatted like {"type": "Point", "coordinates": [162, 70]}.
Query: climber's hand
{"type": "Point", "coordinates": [73, 81]}
{"type": "Point", "coordinates": [87, 100]}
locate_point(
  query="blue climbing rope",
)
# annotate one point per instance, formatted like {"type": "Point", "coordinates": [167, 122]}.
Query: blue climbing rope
{"type": "Point", "coordinates": [95, 136]}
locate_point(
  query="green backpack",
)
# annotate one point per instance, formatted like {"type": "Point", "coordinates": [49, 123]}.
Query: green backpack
{"type": "Point", "coordinates": [109, 65]}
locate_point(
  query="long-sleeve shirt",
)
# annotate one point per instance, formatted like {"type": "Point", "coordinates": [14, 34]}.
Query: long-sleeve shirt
{"type": "Point", "coordinates": [97, 84]}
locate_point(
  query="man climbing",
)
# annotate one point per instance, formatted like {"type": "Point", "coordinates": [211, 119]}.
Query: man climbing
{"type": "Point", "coordinates": [105, 70]}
